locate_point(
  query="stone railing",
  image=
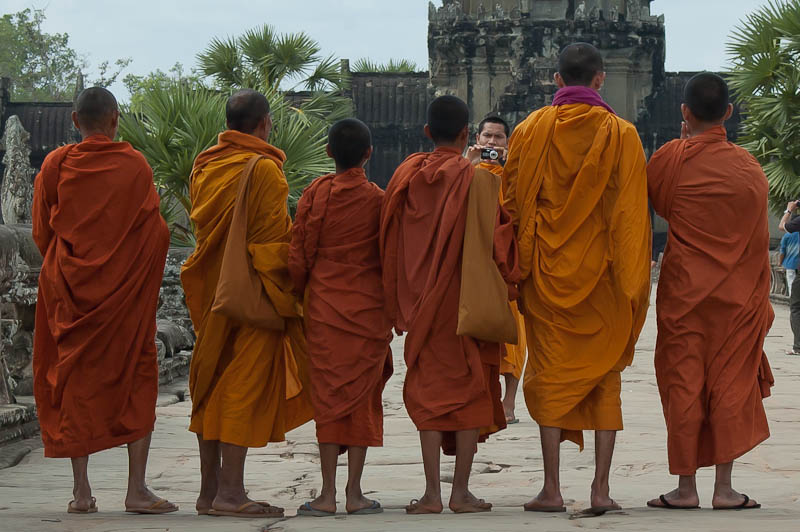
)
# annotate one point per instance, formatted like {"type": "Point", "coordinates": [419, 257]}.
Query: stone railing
{"type": "Point", "coordinates": [20, 263]}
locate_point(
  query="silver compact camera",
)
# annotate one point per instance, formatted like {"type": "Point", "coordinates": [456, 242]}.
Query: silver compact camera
{"type": "Point", "coordinates": [489, 154]}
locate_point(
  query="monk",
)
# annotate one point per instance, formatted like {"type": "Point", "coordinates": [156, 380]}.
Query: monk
{"type": "Point", "coordinates": [249, 385]}
{"type": "Point", "coordinates": [493, 133]}
{"type": "Point", "coordinates": [575, 184]}
{"type": "Point", "coordinates": [334, 259]}
{"type": "Point", "coordinates": [97, 223]}
{"type": "Point", "coordinates": [452, 386]}
{"type": "Point", "coordinates": [713, 298]}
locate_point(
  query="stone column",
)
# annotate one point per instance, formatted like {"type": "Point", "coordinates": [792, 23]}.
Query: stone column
{"type": "Point", "coordinates": [16, 193]}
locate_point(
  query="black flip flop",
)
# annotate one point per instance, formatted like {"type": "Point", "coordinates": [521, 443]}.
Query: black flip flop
{"type": "Point", "coordinates": [742, 506]}
{"type": "Point", "coordinates": [669, 506]}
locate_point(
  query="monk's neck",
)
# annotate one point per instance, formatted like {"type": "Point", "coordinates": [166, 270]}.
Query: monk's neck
{"type": "Point", "coordinates": [97, 135]}
{"type": "Point", "coordinates": [702, 128]}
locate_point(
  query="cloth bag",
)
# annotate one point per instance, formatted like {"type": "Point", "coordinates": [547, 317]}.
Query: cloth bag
{"type": "Point", "coordinates": [483, 310]}
{"type": "Point", "coordinates": [240, 295]}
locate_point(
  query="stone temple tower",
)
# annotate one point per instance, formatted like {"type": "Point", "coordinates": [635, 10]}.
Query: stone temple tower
{"type": "Point", "coordinates": [500, 55]}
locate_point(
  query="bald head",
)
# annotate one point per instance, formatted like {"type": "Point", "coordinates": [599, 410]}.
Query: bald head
{"type": "Point", "coordinates": [246, 110]}
{"type": "Point", "coordinates": [707, 97]}
{"type": "Point", "coordinates": [448, 117]}
{"type": "Point", "coordinates": [579, 64]}
{"type": "Point", "coordinates": [96, 111]}
{"type": "Point", "coordinates": [349, 143]}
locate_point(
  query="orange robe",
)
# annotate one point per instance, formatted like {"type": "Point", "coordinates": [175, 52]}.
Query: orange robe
{"type": "Point", "coordinates": [713, 300]}
{"type": "Point", "coordinates": [335, 260]}
{"type": "Point", "coordinates": [576, 186]}
{"type": "Point", "coordinates": [452, 382]}
{"type": "Point", "coordinates": [514, 354]}
{"type": "Point", "coordinates": [97, 223]}
{"type": "Point", "coordinates": [243, 380]}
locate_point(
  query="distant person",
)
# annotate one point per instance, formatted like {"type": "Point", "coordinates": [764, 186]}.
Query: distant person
{"type": "Point", "coordinates": [790, 246]}
{"type": "Point", "coordinates": [249, 384]}
{"type": "Point", "coordinates": [335, 260]}
{"type": "Point", "coordinates": [97, 223]}
{"type": "Point", "coordinates": [713, 298]}
{"type": "Point", "coordinates": [493, 133]}
{"type": "Point", "coordinates": [575, 184]}
{"type": "Point", "coordinates": [452, 386]}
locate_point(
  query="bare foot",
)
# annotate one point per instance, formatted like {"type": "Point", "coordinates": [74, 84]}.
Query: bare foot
{"type": "Point", "coordinates": [82, 505]}
{"type": "Point", "coordinates": [601, 499]}
{"type": "Point", "coordinates": [356, 501]}
{"type": "Point", "coordinates": [144, 499]}
{"type": "Point", "coordinates": [468, 503]}
{"type": "Point", "coordinates": [426, 505]}
{"type": "Point", "coordinates": [326, 502]}
{"type": "Point", "coordinates": [678, 498]}
{"type": "Point", "coordinates": [232, 502]}
{"type": "Point", "coordinates": [730, 498]}
{"type": "Point", "coordinates": [546, 502]}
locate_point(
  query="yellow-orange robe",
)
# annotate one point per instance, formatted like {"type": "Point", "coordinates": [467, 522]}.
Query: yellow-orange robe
{"type": "Point", "coordinates": [452, 382]}
{"type": "Point", "coordinates": [576, 186]}
{"type": "Point", "coordinates": [243, 380]}
{"type": "Point", "coordinates": [713, 300]}
{"type": "Point", "coordinates": [514, 354]}
{"type": "Point", "coordinates": [334, 259]}
{"type": "Point", "coordinates": [97, 223]}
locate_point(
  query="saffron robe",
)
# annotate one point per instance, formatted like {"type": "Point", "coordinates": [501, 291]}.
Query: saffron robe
{"type": "Point", "coordinates": [249, 386]}
{"type": "Point", "coordinates": [713, 300]}
{"type": "Point", "coordinates": [514, 354]}
{"type": "Point", "coordinates": [575, 184]}
{"type": "Point", "coordinates": [97, 223]}
{"type": "Point", "coordinates": [452, 382]}
{"type": "Point", "coordinates": [334, 259]}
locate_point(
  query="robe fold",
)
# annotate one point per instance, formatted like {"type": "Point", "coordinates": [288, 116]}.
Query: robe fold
{"type": "Point", "coordinates": [97, 223]}
{"type": "Point", "coordinates": [335, 260]}
{"type": "Point", "coordinates": [575, 185]}
{"type": "Point", "coordinates": [452, 382]}
{"type": "Point", "coordinates": [249, 386]}
{"type": "Point", "coordinates": [713, 301]}
{"type": "Point", "coordinates": [513, 360]}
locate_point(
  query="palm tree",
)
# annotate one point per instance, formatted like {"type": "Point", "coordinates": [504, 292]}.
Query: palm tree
{"type": "Point", "coordinates": [172, 121]}
{"type": "Point", "coordinates": [765, 53]}
{"type": "Point", "coordinates": [393, 66]}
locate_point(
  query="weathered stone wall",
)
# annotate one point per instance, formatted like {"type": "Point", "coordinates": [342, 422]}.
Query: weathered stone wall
{"type": "Point", "coordinates": [16, 191]}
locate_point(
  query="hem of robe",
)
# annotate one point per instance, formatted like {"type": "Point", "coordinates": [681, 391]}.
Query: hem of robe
{"type": "Point", "coordinates": [79, 450]}
{"type": "Point", "coordinates": [572, 429]}
{"type": "Point", "coordinates": [345, 433]}
{"type": "Point", "coordinates": [233, 437]}
{"type": "Point", "coordinates": [715, 461]}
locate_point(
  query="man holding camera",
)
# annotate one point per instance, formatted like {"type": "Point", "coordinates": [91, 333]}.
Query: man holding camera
{"type": "Point", "coordinates": [489, 153]}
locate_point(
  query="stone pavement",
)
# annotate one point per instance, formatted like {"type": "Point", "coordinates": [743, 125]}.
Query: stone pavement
{"type": "Point", "coordinates": [507, 472]}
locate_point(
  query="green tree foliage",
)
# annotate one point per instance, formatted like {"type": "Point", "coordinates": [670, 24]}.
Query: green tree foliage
{"type": "Point", "coordinates": [174, 116]}
{"type": "Point", "coordinates": [42, 66]}
{"type": "Point", "coordinates": [393, 66]}
{"type": "Point", "coordinates": [765, 52]}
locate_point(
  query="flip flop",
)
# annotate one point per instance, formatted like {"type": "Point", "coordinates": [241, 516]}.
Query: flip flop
{"type": "Point", "coordinates": [90, 510]}
{"type": "Point", "coordinates": [414, 508]}
{"type": "Point", "coordinates": [157, 508]}
{"type": "Point", "coordinates": [512, 420]}
{"type": "Point", "coordinates": [307, 511]}
{"type": "Point", "coordinates": [742, 506]}
{"type": "Point", "coordinates": [239, 512]}
{"type": "Point", "coordinates": [666, 505]}
{"type": "Point", "coordinates": [479, 507]}
{"type": "Point", "coordinates": [597, 511]}
{"type": "Point", "coordinates": [375, 508]}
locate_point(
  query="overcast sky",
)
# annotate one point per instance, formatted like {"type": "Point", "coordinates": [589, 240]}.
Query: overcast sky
{"type": "Point", "coordinates": [157, 33]}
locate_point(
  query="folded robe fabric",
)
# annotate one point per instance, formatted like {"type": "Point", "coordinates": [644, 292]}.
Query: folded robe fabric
{"type": "Point", "coordinates": [452, 382]}
{"type": "Point", "coordinates": [713, 300]}
{"type": "Point", "coordinates": [576, 187]}
{"type": "Point", "coordinates": [249, 386]}
{"type": "Point", "coordinates": [97, 223]}
{"type": "Point", "coordinates": [334, 259]}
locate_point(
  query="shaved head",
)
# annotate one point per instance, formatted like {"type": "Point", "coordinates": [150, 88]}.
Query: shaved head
{"type": "Point", "coordinates": [579, 63]}
{"type": "Point", "coordinates": [349, 141]}
{"type": "Point", "coordinates": [245, 110]}
{"type": "Point", "coordinates": [707, 97]}
{"type": "Point", "coordinates": [95, 108]}
{"type": "Point", "coordinates": [447, 118]}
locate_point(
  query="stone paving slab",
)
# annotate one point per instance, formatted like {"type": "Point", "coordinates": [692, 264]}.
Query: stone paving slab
{"type": "Point", "coordinates": [507, 472]}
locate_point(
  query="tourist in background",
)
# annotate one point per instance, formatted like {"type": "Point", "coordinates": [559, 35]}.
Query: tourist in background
{"type": "Point", "coordinates": [790, 248]}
